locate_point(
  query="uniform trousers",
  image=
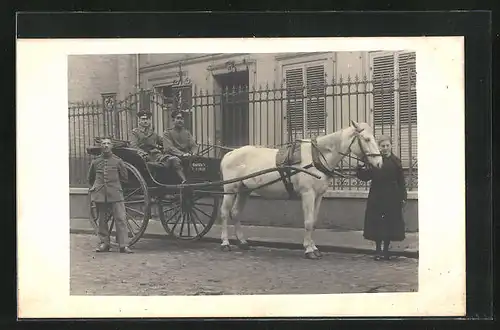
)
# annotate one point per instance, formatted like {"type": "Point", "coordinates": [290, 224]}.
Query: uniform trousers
{"type": "Point", "coordinates": [119, 215]}
{"type": "Point", "coordinates": [173, 161]}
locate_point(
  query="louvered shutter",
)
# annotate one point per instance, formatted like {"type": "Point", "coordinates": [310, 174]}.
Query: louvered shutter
{"type": "Point", "coordinates": [295, 101]}
{"type": "Point", "coordinates": [407, 107]}
{"type": "Point", "coordinates": [383, 94]}
{"type": "Point", "coordinates": [316, 117]}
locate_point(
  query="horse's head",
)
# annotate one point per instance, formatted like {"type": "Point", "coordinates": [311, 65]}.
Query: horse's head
{"type": "Point", "coordinates": [364, 145]}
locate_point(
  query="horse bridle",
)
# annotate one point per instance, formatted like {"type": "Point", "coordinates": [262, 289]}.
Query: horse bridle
{"type": "Point", "coordinates": [365, 154]}
{"type": "Point", "coordinates": [348, 153]}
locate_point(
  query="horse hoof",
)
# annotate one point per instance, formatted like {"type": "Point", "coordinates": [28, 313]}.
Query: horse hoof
{"type": "Point", "coordinates": [311, 255]}
{"type": "Point", "coordinates": [317, 253]}
{"type": "Point", "coordinates": [225, 248]}
{"type": "Point", "coordinates": [244, 246]}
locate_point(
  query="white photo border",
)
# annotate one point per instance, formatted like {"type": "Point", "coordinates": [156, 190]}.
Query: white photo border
{"type": "Point", "coordinates": [43, 185]}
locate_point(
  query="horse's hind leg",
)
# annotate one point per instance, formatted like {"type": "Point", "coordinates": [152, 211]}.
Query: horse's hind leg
{"type": "Point", "coordinates": [238, 207]}
{"type": "Point", "coordinates": [227, 205]}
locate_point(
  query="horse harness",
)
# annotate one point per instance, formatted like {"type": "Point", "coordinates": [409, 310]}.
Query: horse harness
{"type": "Point", "coordinates": [285, 174]}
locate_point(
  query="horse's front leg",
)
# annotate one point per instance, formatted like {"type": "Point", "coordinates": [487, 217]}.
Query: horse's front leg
{"type": "Point", "coordinates": [308, 203]}
{"type": "Point", "coordinates": [317, 204]}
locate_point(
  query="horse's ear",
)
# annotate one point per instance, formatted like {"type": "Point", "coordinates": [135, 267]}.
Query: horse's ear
{"type": "Point", "coordinates": [355, 124]}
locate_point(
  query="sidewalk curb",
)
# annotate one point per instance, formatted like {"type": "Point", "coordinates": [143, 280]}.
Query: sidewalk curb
{"type": "Point", "coordinates": [272, 244]}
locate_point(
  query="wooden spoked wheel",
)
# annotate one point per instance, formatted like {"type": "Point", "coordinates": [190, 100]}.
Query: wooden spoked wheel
{"type": "Point", "coordinates": [137, 208]}
{"type": "Point", "coordinates": [188, 215]}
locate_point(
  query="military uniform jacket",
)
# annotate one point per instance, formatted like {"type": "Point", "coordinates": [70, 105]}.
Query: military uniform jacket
{"type": "Point", "coordinates": [105, 176]}
{"type": "Point", "coordinates": [148, 141]}
{"type": "Point", "coordinates": [177, 142]}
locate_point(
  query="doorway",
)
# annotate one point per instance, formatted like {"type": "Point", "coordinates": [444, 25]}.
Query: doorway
{"type": "Point", "coordinates": [234, 108]}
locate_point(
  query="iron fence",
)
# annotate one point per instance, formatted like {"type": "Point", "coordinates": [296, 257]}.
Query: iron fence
{"type": "Point", "coordinates": [265, 115]}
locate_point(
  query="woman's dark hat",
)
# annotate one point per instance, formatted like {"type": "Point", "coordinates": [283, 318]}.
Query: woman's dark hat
{"type": "Point", "coordinates": [384, 137]}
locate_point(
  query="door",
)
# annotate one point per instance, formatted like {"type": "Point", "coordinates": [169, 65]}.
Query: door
{"type": "Point", "coordinates": [234, 106]}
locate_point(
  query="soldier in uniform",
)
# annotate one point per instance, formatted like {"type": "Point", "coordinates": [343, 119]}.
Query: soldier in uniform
{"type": "Point", "coordinates": [105, 175]}
{"type": "Point", "coordinates": [144, 138]}
{"type": "Point", "coordinates": [178, 142]}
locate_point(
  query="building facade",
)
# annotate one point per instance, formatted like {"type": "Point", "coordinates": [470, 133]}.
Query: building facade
{"type": "Point", "coordinates": [282, 96]}
{"type": "Point", "coordinates": [261, 99]}
{"type": "Point", "coordinates": [90, 76]}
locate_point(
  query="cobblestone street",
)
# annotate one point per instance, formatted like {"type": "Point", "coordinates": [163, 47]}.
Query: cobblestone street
{"type": "Point", "coordinates": [161, 267]}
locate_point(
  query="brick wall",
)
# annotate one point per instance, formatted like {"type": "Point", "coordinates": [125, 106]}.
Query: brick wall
{"type": "Point", "coordinates": [91, 75]}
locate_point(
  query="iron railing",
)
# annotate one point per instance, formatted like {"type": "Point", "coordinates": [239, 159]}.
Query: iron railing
{"type": "Point", "coordinates": [265, 115]}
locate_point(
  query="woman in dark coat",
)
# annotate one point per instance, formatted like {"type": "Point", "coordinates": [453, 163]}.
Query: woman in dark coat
{"type": "Point", "coordinates": [386, 200]}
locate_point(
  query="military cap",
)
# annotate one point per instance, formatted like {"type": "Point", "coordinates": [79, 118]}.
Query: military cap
{"type": "Point", "coordinates": [175, 113]}
{"type": "Point", "coordinates": [144, 113]}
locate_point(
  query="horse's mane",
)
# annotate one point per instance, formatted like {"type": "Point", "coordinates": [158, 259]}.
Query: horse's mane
{"type": "Point", "coordinates": [336, 137]}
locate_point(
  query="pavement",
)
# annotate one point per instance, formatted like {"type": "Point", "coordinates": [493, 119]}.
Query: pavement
{"type": "Point", "coordinates": [164, 268]}
{"type": "Point", "coordinates": [327, 240]}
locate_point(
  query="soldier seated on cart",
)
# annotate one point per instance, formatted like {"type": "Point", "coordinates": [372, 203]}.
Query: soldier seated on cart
{"type": "Point", "coordinates": [178, 142]}
{"type": "Point", "coordinates": [144, 138]}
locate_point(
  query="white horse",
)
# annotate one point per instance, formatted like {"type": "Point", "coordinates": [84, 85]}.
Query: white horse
{"type": "Point", "coordinates": [248, 159]}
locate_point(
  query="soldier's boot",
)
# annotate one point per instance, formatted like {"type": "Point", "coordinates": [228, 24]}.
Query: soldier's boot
{"type": "Point", "coordinates": [102, 248]}
{"type": "Point", "coordinates": [180, 173]}
{"type": "Point", "coordinates": [126, 249]}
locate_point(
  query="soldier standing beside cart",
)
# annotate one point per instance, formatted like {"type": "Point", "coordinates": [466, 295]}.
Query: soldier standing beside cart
{"type": "Point", "coordinates": [105, 175]}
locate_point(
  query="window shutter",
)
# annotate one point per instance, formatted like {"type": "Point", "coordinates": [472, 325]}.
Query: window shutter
{"type": "Point", "coordinates": [295, 102]}
{"type": "Point", "coordinates": [407, 107]}
{"type": "Point", "coordinates": [383, 90]}
{"type": "Point", "coordinates": [407, 90]}
{"type": "Point", "coordinates": [316, 118]}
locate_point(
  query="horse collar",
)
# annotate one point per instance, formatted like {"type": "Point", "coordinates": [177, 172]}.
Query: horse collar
{"type": "Point", "coordinates": [315, 153]}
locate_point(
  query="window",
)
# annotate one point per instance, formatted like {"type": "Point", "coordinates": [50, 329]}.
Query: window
{"type": "Point", "coordinates": [394, 75]}
{"type": "Point", "coordinates": [179, 97]}
{"type": "Point", "coordinates": [383, 90]}
{"type": "Point", "coordinates": [395, 101]}
{"type": "Point", "coordinates": [305, 88]}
